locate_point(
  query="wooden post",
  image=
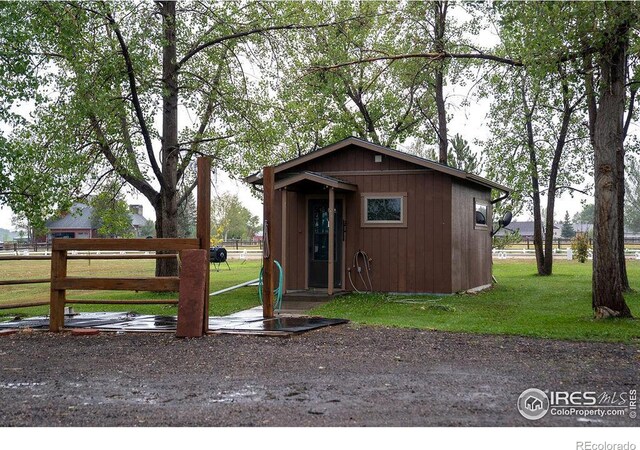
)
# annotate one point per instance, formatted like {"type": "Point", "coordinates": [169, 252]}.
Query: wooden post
{"type": "Point", "coordinates": [267, 259]}
{"type": "Point", "coordinates": [283, 226]}
{"type": "Point", "coordinates": [332, 207]}
{"type": "Point", "coordinates": [203, 226]}
{"type": "Point", "coordinates": [58, 296]}
{"type": "Point", "coordinates": [195, 266]}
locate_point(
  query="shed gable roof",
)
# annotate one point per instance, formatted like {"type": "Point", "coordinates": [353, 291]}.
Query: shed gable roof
{"type": "Point", "coordinates": [315, 178]}
{"type": "Point", "coordinates": [421, 162]}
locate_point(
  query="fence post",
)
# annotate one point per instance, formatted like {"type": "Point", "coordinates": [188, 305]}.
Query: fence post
{"type": "Point", "coordinates": [58, 296]}
{"type": "Point", "coordinates": [269, 229]}
{"type": "Point", "coordinates": [204, 226]}
{"type": "Point", "coordinates": [193, 294]}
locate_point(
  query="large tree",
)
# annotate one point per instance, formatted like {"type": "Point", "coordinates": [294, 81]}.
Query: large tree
{"type": "Point", "coordinates": [616, 24]}
{"type": "Point", "coordinates": [380, 102]}
{"type": "Point", "coordinates": [537, 145]}
{"type": "Point", "coordinates": [117, 74]}
{"type": "Point", "coordinates": [230, 219]}
{"type": "Point", "coordinates": [344, 81]}
{"type": "Point", "coordinates": [598, 42]}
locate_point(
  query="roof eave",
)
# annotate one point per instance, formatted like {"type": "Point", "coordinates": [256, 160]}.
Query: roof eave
{"type": "Point", "coordinates": [457, 173]}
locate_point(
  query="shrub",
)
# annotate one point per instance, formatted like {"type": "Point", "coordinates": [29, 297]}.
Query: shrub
{"type": "Point", "coordinates": [580, 246]}
{"type": "Point", "coordinates": [502, 242]}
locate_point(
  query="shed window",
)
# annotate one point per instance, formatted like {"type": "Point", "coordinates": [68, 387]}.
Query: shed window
{"type": "Point", "coordinates": [384, 210]}
{"type": "Point", "coordinates": [481, 213]}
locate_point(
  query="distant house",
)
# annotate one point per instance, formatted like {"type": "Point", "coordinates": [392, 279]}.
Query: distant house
{"type": "Point", "coordinates": [583, 228]}
{"type": "Point", "coordinates": [137, 219]}
{"type": "Point", "coordinates": [77, 223]}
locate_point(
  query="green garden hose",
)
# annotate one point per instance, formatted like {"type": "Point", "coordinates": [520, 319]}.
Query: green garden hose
{"type": "Point", "coordinates": [277, 291]}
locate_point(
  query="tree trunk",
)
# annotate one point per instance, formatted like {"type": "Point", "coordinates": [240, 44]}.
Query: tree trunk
{"type": "Point", "coordinates": [535, 184]}
{"type": "Point", "coordinates": [440, 18]}
{"type": "Point", "coordinates": [607, 298]}
{"type": "Point", "coordinates": [167, 216]}
{"type": "Point", "coordinates": [624, 279]}
{"type": "Point", "coordinates": [567, 111]}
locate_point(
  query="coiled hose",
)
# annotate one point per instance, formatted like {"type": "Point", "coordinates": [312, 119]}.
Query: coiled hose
{"type": "Point", "coordinates": [368, 286]}
{"type": "Point", "coordinates": [277, 291]}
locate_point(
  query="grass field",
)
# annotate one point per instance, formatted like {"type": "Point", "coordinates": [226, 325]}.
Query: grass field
{"type": "Point", "coordinates": [521, 303]}
{"type": "Point", "coordinates": [222, 304]}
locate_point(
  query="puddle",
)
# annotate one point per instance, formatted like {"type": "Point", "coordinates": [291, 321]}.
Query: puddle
{"type": "Point", "coordinates": [246, 394]}
{"type": "Point", "coordinates": [249, 321]}
{"type": "Point", "coordinates": [19, 385]}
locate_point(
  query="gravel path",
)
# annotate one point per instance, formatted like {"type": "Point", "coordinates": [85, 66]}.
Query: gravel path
{"type": "Point", "coordinates": [339, 376]}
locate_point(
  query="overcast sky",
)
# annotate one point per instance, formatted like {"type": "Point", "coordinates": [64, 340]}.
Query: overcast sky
{"type": "Point", "coordinates": [470, 123]}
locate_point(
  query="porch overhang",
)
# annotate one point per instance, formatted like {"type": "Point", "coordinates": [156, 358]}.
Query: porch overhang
{"type": "Point", "coordinates": [299, 180]}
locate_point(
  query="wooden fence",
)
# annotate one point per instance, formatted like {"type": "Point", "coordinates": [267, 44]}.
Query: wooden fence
{"type": "Point", "coordinates": [61, 249]}
{"type": "Point", "coordinates": [87, 256]}
{"type": "Point", "coordinates": [61, 282]}
{"type": "Point", "coordinates": [564, 243]}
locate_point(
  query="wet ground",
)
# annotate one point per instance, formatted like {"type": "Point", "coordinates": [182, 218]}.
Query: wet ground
{"type": "Point", "coordinates": [250, 321]}
{"type": "Point", "coordinates": [338, 376]}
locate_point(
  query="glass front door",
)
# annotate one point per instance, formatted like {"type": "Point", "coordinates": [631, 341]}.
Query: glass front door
{"type": "Point", "coordinates": [318, 238]}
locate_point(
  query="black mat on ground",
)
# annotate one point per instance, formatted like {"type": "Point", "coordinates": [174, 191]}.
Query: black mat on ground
{"type": "Point", "coordinates": [245, 321]}
{"type": "Point", "coordinates": [286, 324]}
{"type": "Point", "coordinates": [82, 320]}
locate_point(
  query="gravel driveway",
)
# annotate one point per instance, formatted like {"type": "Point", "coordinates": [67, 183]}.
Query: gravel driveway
{"type": "Point", "coordinates": [339, 376]}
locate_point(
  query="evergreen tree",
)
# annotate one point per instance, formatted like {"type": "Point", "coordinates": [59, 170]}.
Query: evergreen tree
{"type": "Point", "coordinates": [567, 227]}
{"type": "Point", "coordinates": [462, 157]}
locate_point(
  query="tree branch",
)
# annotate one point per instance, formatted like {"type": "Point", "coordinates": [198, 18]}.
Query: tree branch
{"type": "Point", "coordinates": [432, 56]}
{"type": "Point", "coordinates": [135, 100]}
{"type": "Point", "coordinates": [187, 192]}
{"type": "Point", "coordinates": [627, 122]}
{"type": "Point", "coordinates": [143, 186]}
{"type": "Point", "coordinates": [197, 49]}
{"type": "Point", "coordinates": [570, 188]}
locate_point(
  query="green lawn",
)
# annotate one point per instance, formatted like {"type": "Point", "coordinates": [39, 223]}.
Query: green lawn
{"type": "Point", "coordinates": [522, 303]}
{"type": "Point", "coordinates": [227, 303]}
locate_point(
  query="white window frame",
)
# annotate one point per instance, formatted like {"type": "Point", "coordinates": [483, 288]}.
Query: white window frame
{"type": "Point", "coordinates": [365, 223]}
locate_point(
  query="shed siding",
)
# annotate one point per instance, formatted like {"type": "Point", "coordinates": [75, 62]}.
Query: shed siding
{"type": "Point", "coordinates": [471, 247]}
{"type": "Point", "coordinates": [354, 158]}
{"type": "Point", "coordinates": [412, 259]}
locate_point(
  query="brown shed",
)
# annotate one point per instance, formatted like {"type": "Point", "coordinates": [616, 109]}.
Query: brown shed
{"type": "Point", "coordinates": [425, 226]}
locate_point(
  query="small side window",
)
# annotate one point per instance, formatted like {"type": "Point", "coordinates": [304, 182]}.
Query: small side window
{"type": "Point", "coordinates": [481, 213]}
